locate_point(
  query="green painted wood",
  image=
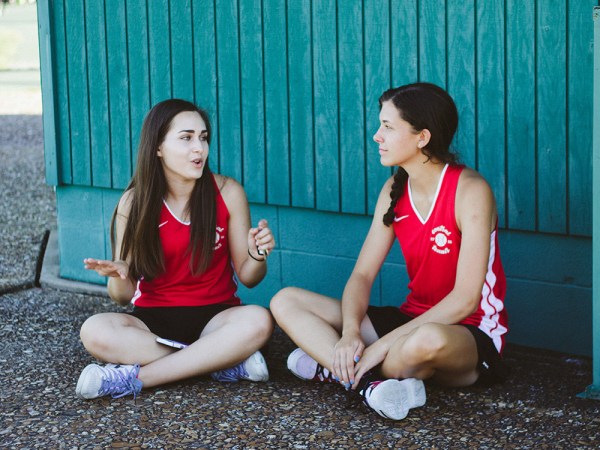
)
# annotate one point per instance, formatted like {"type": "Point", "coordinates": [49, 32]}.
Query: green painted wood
{"type": "Point", "coordinates": [302, 157]}
{"type": "Point", "coordinates": [490, 131]}
{"type": "Point", "coordinates": [461, 77]}
{"type": "Point", "coordinates": [205, 69]}
{"type": "Point", "coordinates": [253, 106]}
{"type": "Point", "coordinates": [228, 75]}
{"type": "Point", "coordinates": [326, 102]}
{"type": "Point", "coordinates": [277, 134]}
{"type": "Point", "coordinates": [377, 80]}
{"type": "Point", "coordinates": [520, 116]}
{"type": "Point", "coordinates": [58, 73]}
{"type": "Point", "coordinates": [596, 210]}
{"type": "Point", "coordinates": [351, 111]}
{"type": "Point", "coordinates": [432, 41]}
{"type": "Point", "coordinates": [295, 84]}
{"type": "Point", "coordinates": [77, 73]}
{"type": "Point", "coordinates": [182, 49]}
{"type": "Point", "coordinates": [48, 92]}
{"type": "Point", "coordinates": [139, 70]}
{"type": "Point", "coordinates": [551, 114]}
{"type": "Point", "coordinates": [579, 120]}
{"type": "Point", "coordinates": [404, 24]}
{"type": "Point", "coordinates": [118, 94]}
{"type": "Point", "coordinates": [159, 50]}
{"type": "Point", "coordinates": [98, 93]}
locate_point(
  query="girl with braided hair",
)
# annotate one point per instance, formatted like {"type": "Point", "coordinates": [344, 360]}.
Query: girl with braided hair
{"type": "Point", "coordinates": [452, 326]}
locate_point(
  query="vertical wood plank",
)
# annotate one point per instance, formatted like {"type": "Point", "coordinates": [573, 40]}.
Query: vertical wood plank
{"type": "Point", "coordinates": [352, 120]}
{"type": "Point", "coordinates": [520, 115]}
{"type": "Point", "coordinates": [159, 50]}
{"type": "Point", "coordinates": [182, 45]}
{"type": "Point", "coordinates": [79, 121]}
{"type": "Point", "coordinates": [118, 90]}
{"type": "Point", "coordinates": [302, 156]}
{"type": "Point", "coordinates": [47, 35]}
{"type": "Point", "coordinates": [377, 80]}
{"type": "Point", "coordinates": [98, 94]}
{"type": "Point", "coordinates": [579, 119]}
{"type": "Point", "coordinates": [432, 41]}
{"type": "Point", "coordinates": [551, 113]}
{"type": "Point", "coordinates": [326, 106]}
{"type": "Point", "coordinates": [139, 69]}
{"type": "Point", "coordinates": [404, 20]}
{"type": "Point", "coordinates": [461, 75]}
{"type": "Point", "coordinates": [253, 106]}
{"type": "Point", "coordinates": [61, 91]}
{"type": "Point", "coordinates": [491, 159]}
{"type": "Point", "coordinates": [276, 103]}
{"type": "Point", "coordinates": [228, 73]}
{"type": "Point", "coordinates": [205, 69]}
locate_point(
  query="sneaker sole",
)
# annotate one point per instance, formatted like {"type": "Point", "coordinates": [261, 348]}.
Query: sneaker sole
{"type": "Point", "coordinates": [260, 371]}
{"type": "Point", "coordinates": [83, 379]}
{"type": "Point", "coordinates": [393, 399]}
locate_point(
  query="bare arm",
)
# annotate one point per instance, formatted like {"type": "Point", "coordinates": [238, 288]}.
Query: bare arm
{"type": "Point", "coordinates": [243, 239]}
{"type": "Point", "coordinates": [120, 287]}
{"type": "Point", "coordinates": [355, 299]}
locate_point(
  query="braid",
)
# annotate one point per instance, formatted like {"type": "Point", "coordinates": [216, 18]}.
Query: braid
{"type": "Point", "coordinates": [400, 178]}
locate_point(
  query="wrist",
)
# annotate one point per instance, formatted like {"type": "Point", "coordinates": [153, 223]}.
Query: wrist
{"type": "Point", "coordinates": [255, 258]}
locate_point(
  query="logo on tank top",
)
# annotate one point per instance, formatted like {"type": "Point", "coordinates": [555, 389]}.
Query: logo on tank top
{"type": "Point", "coordinates": [219, 236]}
{"type": "Point", "coordinates": [440, 237]}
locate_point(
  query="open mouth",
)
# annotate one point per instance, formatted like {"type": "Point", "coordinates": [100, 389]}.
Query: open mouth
{"type": "Point", "coordinates": [197, 162]}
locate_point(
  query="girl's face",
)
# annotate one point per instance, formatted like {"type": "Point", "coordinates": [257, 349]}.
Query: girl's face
{"type": "Point", "coordinates": [398, 142]}
{"type": "Point", "coordinates": [184, 150]}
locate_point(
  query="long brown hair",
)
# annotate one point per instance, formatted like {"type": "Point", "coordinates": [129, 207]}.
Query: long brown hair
{"type": "Point", "coordinates": [423, 106]}
{"type": "Point", "coordinates": [141, 242]}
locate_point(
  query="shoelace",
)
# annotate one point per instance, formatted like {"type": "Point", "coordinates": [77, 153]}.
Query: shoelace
{"type": "Point", "coordinates": [118, 383]}
{"type": "Point", "coordinates": [320, 375]}
{"type": "Point", "coordinates": [356, 398]}
{"type": "Point", "coordinates": [232, 374]}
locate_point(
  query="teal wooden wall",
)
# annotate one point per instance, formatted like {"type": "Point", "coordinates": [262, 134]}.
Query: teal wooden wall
{"type": "Point", "coordinates": [292, 88]}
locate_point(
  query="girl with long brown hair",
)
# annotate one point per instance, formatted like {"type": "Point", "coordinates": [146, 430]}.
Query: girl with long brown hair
{"type": "Point", "coordinates": [181, 235]}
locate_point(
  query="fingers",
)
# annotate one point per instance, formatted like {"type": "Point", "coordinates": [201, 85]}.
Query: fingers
{"type": "Point", "coordinates": [263, 236]}
{"type": "Point", "coordinates": [346, 356]}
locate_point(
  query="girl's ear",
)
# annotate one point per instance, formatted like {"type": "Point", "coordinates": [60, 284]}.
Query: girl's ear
{"type": "Point", "coordinates": [159, 152]}
{"type": "Point", "coordinates": [424, 138]}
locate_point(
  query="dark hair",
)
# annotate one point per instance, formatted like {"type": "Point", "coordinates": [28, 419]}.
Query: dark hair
{"type": "Point", "coordinates": [141, 241]}
{"type": "Point", "coordinates": [423, 106]}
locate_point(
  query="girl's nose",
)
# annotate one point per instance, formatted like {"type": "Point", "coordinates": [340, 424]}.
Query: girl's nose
{"type": "Point", "coordinates": [377, 138]}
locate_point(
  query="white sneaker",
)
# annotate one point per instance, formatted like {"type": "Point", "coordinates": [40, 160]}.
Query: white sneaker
{"type": "Point", "coordinates": [254, 368]}
{"type": "Point", "coordinates": [306, 368]}
{"type": "Point", "coordinates": [392, 398]}
{"type": "Point", "coordinates": [113, 379]}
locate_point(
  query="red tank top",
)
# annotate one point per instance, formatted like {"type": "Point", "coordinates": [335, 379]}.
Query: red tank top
{"type": "Point", "coordinates": [177, 286]}
{"type": "Point", "coordinates": [431, 246]}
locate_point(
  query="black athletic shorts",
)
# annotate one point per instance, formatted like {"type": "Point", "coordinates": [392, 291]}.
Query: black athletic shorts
{"type": "Point", "coordinates": [179, 323]}
{"type": "Point", "coordinates": [491, 366]}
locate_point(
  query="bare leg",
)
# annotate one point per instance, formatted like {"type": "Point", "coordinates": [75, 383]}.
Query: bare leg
{"type": "Point", "coordinates": [445, 353]}
{"type": "Point", "coordinates": [313, 322]}
{"type": "Point", "coordinates": [236, 332]}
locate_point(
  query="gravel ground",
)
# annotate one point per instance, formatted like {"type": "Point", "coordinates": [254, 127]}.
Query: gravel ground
{"type": "Point", "coordinates": [27, 204]}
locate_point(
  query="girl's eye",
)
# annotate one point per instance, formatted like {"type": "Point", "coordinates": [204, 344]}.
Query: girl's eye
{"type": "Point", "coordinates": [203, 138]}
{"type": "Point", "coordinates": [185, 138]}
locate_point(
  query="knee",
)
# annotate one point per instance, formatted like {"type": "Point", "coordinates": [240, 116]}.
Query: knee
{"type": "Point", "coordinates": [424, 344]}
{"type": "Point", "coordinates": [262, 322]}
{"type": "Point", "coordinates": [283, 302]}
{"type": "Point", "coordinates": [93, 334]}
